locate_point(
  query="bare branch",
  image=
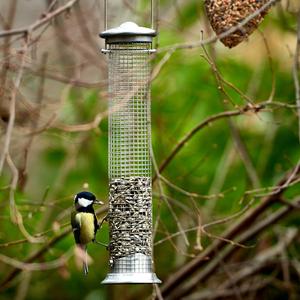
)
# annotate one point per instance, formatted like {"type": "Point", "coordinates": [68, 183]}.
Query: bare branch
{"type": "Point", "coordinates": [249, 218]}
{"type": "Point", "coordinates": [12, 110]}
{"type": "Point", "coordinates": [220, 255]}
{"type": "Point", "coordinates": [38, 266]}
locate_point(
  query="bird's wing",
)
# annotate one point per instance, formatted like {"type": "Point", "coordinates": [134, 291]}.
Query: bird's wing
{"type": "Point", "coordinates": [75, 222]}
{"type": "Point", "coordinates": [96, 225]}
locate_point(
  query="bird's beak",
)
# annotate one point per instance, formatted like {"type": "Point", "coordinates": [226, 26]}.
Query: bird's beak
{"type": "Point", "coordinates": [98, 202]}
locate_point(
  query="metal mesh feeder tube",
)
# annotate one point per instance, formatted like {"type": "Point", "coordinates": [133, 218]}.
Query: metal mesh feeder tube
{"type": "Point", "coordinates": [130, 191]}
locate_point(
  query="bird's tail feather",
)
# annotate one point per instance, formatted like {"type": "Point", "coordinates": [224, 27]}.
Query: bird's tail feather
{"type": "Point", "coordinates": [85, 262]}
{"type": "Point", "coordinates": [84, 259]}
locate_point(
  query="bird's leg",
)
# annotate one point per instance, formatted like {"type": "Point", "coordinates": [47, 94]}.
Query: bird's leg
{"type": "Point", "coordinates": [100, 243]}
{"type": "Point", "coordinates": [85, 263]}
{"type": "Point", "coordinates": [101, 223]}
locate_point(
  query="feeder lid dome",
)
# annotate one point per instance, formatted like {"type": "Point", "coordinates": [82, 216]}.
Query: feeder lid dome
{"type": "Point", "coordinates": [128, 31]}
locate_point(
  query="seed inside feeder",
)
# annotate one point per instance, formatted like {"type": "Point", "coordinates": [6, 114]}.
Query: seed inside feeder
{"type": "Point", "coordinates": [130, 216]}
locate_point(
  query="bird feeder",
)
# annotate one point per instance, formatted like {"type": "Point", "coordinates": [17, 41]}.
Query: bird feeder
{"type": "Point", "coordinates": [130, 191]}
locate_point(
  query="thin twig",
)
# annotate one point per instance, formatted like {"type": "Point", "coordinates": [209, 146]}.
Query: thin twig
{"type": "Point", "coordinates": [15, 215]}
{"type": "Point", "coordinates": [240, 146]}
{"type": "Point", "coordinates": [167, 202]}
{"type": "Point", "coordinates": [45, 19]}
{"type": "Point", "coordinates": [269, 55]}
{"type": "Point", "coordinates": [201, 125]}
{"type": "Point", "coordinates": [296, 73]}
{"type": "Point", "coordinates": [202, 228]}
{"type": "Point", "coordinates": [161, 63]}
{"type": "Point", "coordinates": [12, 109]}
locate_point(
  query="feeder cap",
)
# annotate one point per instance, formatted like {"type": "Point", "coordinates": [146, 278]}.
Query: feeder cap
{"type": "Point", "coordinates": [128, 31]}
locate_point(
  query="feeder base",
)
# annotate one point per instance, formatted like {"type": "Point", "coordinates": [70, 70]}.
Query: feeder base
{"type": "Point", "coordinates": [114, 278]}
{"type": "Point", "coordinates": [135, 268]}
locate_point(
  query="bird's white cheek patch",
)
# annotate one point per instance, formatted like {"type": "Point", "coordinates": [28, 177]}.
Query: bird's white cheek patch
{"type": "Point", "coordinates": [84, 202]}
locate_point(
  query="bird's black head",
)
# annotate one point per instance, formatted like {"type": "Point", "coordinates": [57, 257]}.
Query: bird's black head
{"type": "Point", "coordinates": [85, 200]}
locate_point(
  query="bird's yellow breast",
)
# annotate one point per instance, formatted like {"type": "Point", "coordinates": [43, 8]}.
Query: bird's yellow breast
{"type": "Point", "coordinates": [86, 221]}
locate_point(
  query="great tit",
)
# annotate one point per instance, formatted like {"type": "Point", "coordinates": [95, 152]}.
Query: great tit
{"type": "Point", "coordinates": [84, 222]}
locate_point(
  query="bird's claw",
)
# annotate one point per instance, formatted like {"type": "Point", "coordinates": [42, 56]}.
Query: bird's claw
{"type": "Point", "coordinates": [100, 243]}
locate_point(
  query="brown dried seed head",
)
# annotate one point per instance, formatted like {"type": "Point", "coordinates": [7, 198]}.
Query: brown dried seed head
{"type": "Point", "coordinates": [225, 14]}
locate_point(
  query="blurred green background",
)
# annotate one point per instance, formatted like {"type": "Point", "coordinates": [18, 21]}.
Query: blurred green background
{"type": "Point", "coordinates": [61, 162]}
